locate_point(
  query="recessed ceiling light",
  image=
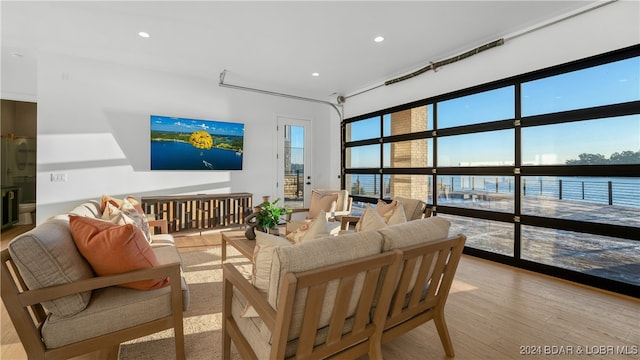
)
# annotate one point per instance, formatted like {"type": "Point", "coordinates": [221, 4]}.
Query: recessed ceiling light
{"type": "Point", "coordinates": [378, 39]}
{"type": "Point", "coordinates": [315, 74]}
{"type": "Point", "coordinates": [144, 34]}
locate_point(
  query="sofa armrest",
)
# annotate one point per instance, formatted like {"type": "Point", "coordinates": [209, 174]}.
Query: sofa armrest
{"type": "Point", "coordinates": [171, 271]}
{"type": "Point", "coordinates": [232, 278]}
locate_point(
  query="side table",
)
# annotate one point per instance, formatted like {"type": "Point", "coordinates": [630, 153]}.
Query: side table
{"type": "Point", "coordinates": [239, 242]}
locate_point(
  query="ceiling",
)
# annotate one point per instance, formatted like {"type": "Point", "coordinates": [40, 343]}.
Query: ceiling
{"type": "Point", "coordinates": [274, 46]}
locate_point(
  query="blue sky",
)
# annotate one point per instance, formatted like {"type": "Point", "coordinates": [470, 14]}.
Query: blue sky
{"type": "Point", "coordinates": [165, 123]}
{"type": "Point", "coordinates": [612, 83]}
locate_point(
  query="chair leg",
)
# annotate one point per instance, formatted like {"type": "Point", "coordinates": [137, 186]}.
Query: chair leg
{"type": "Point", "coordinates": [443, 333]}
{"type": "Point", "coordinates": [178, 332]}
{"type": "Point", "coordinates": [226, 341]}
{"type": "Point", "coordinates": [111, 353]}
{"type": "Point", "coordinates": [375, 349]}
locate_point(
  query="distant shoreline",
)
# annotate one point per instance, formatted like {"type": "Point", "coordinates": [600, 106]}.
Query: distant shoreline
{"type": "Point", "coordinates": [186, 142]}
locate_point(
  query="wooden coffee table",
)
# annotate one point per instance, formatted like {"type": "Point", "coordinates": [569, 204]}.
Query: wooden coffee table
{"type": "Point", "coordinates": [240, 242]}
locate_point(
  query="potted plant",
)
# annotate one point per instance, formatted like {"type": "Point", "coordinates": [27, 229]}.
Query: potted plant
{"type": "Point", "coordinates": [269, 215]}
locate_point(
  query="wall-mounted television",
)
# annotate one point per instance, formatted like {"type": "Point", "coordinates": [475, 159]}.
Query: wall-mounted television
{"type": "Point", "coordinates": [193, 144]}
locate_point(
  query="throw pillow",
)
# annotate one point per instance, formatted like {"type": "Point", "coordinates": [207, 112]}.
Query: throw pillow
{"type": "Point", "coordinates": [320, 201]}
{"type": "Point", "coordinates": [266, 244]}
{"type": "Point", "coordinates": [113, 249]}
{"type": "Point", "coordinates": [313, 229]}
{"type": "Point", "coordinates": [370, 220]}
{"type": "Point", "coordinates": [126, 213]}
{"type": "Point", "coordinates": [106, 199]}
{"type": "Point", "coordinates": [385, 210]}
{"type": "Point", "coordinates": [397, 216]}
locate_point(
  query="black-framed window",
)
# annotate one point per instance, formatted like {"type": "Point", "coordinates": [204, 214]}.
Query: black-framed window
{"type": "Point", "coordinates": [541, 170]}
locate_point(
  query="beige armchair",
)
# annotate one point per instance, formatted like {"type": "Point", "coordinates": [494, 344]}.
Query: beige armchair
{"type": "Point", "coordinates": [321, 200]}
{"type": "Point", "coordinates": [61, 307]}
{"type": "Point", "coordinates": [94, 332]}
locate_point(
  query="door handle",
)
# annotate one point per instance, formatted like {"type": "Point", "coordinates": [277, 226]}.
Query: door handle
{"type": "Point", "coordinates": [308, 183]}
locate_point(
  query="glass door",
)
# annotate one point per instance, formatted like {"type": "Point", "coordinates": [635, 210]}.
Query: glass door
{"type": "Point", "coordinates": [294, 176]}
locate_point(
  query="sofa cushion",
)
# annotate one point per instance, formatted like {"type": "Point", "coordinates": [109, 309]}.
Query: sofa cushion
{"type": "Point", "coordinates": [111, 309]}
{"type": "Point", "coordinates": [47, 256]}
{"type": "Point", "coordinates": [315, 254]}
{"type": "Point", "coordinates": [114, 249]}
{"type": "Point", "coordinates": [414, 232]}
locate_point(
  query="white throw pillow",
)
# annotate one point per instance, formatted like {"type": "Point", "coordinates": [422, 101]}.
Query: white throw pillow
{"type": "Point", "coordinates": [310, 230]}
{"type": "Point", "coordinates": [397, 216]}
{"type": "Point", "coordinates": [266, 244]}
{"type": "Point", "coordinates": [370, 220]}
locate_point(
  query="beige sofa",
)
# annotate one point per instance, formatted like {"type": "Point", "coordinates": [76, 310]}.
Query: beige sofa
{"type": "Point", "coordinates": [341, 295]}
{"type": "Point", "coordinates": [93, 313]}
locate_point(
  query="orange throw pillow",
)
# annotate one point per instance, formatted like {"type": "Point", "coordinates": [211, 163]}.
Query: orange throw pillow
{"type": "Point", "coordinates": [114, 249]}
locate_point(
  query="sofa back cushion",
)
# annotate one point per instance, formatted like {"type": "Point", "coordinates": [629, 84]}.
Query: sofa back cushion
{"type": "Point", "coordinates": [47, 256]}
{"type": "Point", "coordinates": [316, 254]}
{"type": "Point", "coordinates": [412, 233]}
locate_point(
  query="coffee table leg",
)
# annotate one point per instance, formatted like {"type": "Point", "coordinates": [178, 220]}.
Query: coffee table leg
{"type": "Point", "coordinates": [223, 243]}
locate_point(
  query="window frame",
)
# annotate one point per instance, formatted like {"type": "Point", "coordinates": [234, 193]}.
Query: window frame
{"type": "Point", "coordinates": [517, 170]}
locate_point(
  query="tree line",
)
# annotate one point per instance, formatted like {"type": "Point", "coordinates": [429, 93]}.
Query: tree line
{"type": "Point", "coordinates": [625, 157]}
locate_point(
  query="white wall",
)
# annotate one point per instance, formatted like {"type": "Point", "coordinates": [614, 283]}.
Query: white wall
{"type": "Point", "coordinates": [93, 126]}
{"type": "Point", "coordinates": [604, 29]}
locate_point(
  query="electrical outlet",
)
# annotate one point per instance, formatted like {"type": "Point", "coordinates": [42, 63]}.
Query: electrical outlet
{"type": "Point", "coordinates": [58, 177]}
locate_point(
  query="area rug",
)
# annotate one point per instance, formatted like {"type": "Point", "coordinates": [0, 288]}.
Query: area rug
{"type": "Point", "coordinates": [202, 322]}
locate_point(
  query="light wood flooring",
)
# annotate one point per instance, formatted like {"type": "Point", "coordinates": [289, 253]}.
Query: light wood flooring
{"type": "Point", "coordinates": [494, 312]}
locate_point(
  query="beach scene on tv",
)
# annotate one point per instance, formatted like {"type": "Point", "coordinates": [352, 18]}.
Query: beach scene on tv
{"type": "Point", "coordinates": [193, 144]}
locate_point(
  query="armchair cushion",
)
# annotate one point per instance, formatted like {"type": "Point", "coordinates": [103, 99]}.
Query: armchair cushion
{"type": "Point", "coordinates": [47, 256]}
{"type": "Point", "coordinates": [113, 249]}
{"type": "Point", "coordinates": [322, 201]}
{"type": "Point", "coordinates": [413, 208]}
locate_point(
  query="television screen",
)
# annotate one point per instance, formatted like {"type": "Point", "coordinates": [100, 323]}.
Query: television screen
{"type": "Point", "coordinates": [192, 144]}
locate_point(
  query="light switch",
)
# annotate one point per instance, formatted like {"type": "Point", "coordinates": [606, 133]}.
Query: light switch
{"type": "Point", "coordinates": [58, 177]}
